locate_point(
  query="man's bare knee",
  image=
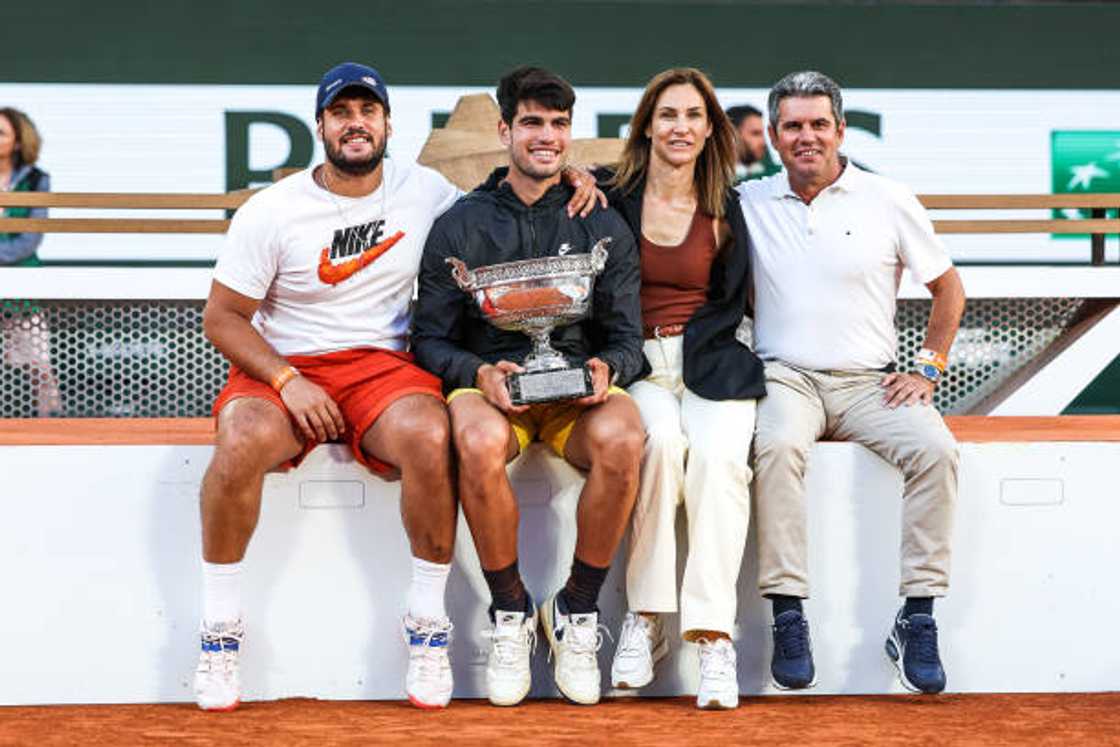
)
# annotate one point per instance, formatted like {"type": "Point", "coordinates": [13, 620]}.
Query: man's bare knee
{"type": "Point", "coordinates": [616, 441]}
{"type": "Point", "coordinates": [253, 437]}
{"type": "Point", "coordinates": [422, 434]}
{"type": "Point", "coordinates": [482, 442]}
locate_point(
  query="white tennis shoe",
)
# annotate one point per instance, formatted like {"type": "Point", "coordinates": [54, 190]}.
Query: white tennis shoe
{"type": "Point", "coordinates": [217, 680]}
{"type": "Point", "coordinates": [428, 682]}
{"type": "Point", "coordinates": [575, 641]}
{"type": "Point", "coordinates": [641, 644]}
{"type": "Point", "coordinates": [719, 683]}
{"type": "Point", "coordinates": [512, 640]}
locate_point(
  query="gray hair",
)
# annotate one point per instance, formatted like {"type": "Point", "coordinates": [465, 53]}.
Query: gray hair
{"type": "Point", "coordinates": [805, 83]}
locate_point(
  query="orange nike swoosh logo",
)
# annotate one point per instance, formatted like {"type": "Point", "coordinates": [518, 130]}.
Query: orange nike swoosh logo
{"type": "Point", "coordinates": [335, 274]}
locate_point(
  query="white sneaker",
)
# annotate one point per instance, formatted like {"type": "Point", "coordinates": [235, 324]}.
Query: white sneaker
{"type": "Point", "coordinates": [217, 680]}
{"type": "Point", "coordinates": [575, 641]}
{"type": "Point", "coordinates": [719, 684]}
{"type": "Point", "coordinates": [641, 644]}
{"type": "Point", "coordinates": [428, 682]}
{"type": "Point", "coordinates": [512, 640]}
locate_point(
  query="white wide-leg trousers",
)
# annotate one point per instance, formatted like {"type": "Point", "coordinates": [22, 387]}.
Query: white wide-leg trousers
{"type": "Point", "coordinates": [697, 450]}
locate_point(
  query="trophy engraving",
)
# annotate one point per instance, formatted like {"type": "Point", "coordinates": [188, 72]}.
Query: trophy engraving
{"type": "Point", "coordinates": [534, 296]}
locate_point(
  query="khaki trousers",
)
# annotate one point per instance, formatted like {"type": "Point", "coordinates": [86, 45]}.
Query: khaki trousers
{"type": "Point", "coordinates": [802, 406]}
{"type": "Point", "coordinates": [696, 452]}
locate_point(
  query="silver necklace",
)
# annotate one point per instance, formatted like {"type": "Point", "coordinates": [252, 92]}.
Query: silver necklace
{"type": "Point", "coordinates": [343, 214]}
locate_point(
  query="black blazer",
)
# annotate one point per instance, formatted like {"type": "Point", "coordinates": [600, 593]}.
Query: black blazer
{"type": "Point", "coordinates": [716, 365]}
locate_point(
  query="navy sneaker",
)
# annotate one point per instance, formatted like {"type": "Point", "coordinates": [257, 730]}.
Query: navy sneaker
{"type": "Point", "coordinates": [792, 664]}
{"type": "Point", "coordinates": [912, 647]}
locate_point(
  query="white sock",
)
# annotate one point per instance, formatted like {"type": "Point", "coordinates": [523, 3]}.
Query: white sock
{"type": "Point", "coordinates": [425, 593]}
{"type": "Point", "coordinates": [221, 592]}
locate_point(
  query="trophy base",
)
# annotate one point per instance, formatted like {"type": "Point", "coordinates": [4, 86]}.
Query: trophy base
{"type": "Point", "coordinates": [550, 386]}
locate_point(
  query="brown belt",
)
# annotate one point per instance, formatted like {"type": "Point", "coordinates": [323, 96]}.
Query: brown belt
{"type": "Point", "coordinates": [664, 330]}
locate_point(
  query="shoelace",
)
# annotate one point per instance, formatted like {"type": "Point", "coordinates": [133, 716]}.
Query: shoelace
{"type": "Point", "coordinates": [792, 638]}
{"type": "Point", "coordinates": [508, 641]}
{"type": "Point", "coordinates": [922, 640]}
{"type": "Point", "coordinates": [429, 659]}
{"type": "Point", "coordinates": [225, 655]}
{"type": "Point", "coordinates": [717, 659]}
{"type": "Point", "coordinates": [425, 632]}
{"type": "Point", "coordinates": [636, 636]}
{"type": "Point", "coordinates": [583, 642]}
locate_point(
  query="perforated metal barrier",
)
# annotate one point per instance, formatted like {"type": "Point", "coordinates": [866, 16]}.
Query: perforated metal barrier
{"type": "Point", "coordinates": [109, 359]}
{"type": "Point", "coordinates": [150, 358]}
{"type": "Point", "coordinates": [997, 337]}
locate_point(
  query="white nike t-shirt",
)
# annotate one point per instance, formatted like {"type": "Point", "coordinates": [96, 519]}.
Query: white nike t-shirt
{"type": "Point", "coordinates": [306, 254]}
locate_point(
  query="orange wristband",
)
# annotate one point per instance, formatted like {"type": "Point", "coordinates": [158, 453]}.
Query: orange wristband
{"type": "Point", "coordinates": [926, 355]}
{"type": "Point", "coordinates": [286, 374]}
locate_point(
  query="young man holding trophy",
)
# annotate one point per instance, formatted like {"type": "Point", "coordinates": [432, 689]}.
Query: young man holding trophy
{"type": "Point", "coordinates": [532, 320]}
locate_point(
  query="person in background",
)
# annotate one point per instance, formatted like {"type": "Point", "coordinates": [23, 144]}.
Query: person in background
{"type": "Point", "coordinates": [754, 161]}
{"type": "Point", "coordinates": [23, 325]}
{"type": "Point", "coordinates": [697, 395]}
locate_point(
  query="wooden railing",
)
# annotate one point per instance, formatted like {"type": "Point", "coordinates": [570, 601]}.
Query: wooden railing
{"type": "Point", "coordinates": [121, 201]}
{"type": "Point", "coordinates": [1096, 226]}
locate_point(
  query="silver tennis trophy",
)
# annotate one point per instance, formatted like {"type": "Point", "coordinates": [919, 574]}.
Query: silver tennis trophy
{"type": "Point", "coordinates": [534, 296]}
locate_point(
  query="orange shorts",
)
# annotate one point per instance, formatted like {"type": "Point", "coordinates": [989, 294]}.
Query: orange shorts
{"type": "Point", "coordinates": [362, 383]}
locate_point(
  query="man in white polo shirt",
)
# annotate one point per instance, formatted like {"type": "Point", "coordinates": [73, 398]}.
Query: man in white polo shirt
{"type": "Point", "coordinates": [829, 245]}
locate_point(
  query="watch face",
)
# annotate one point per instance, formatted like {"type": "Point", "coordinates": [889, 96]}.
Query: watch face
{"type": "Point", "coordinates": [929, 371]}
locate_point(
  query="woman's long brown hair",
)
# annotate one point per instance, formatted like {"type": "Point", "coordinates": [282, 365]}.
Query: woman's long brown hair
{"type": "Point", "coordinates": [715, 167]}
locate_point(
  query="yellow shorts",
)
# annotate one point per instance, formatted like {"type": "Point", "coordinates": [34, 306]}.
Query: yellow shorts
{"type": "Point", "coordinates": [549, 422]}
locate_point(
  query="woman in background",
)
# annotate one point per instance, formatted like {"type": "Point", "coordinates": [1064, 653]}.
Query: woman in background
{"type": "Point", "coordinates": [24, 327]}
{"type": "Point", "coordinates": [673, 186]}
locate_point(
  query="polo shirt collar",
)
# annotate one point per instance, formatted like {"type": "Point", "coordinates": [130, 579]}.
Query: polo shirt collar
{"type": "Point", "coordinates": [848, 180]}
{"type": "Point", "coordinates": [849, 177]}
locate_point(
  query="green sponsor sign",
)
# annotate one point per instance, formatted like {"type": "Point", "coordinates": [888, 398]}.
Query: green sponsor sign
{"type": "Point", "coordinates": [1084, 161]}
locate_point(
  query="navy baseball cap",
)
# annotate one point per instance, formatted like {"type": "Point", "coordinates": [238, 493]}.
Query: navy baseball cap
{"type": "Point", "coordinates": [344, 76]}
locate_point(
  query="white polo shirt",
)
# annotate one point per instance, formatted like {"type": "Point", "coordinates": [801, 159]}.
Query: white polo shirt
{"type": "Point", "coordinates": [826, 274]}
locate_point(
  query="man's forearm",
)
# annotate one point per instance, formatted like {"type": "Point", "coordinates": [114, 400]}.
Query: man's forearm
{"type": "Point", "coordinates": [239, 341]}
{"type": "Point", "coordinates": [945, 316]}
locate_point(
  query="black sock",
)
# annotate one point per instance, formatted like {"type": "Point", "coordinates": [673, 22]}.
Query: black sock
{"type": "Point", "coordinates": [784, 603]}
{"type": "Point", "coordinates": [582, 590]}
{"type": "Point", "coordinates": [507, 593]}
{"type": "Point", "coordinates": [918, 605]}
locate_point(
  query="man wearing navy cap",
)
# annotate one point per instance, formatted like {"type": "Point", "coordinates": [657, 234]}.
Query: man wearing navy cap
{"type": "Point", "coordinates": [310, 303]}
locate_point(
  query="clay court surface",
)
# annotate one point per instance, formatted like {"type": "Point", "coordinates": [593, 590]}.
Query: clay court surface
{"type": "Point", "coordinates": [1077, 719]}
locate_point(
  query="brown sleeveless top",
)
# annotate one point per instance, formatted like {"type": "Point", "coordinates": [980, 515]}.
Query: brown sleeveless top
{"type": "Point", "coordinates": [675, 278]}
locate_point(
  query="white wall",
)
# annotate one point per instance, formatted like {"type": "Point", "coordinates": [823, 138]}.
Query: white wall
{"type": "Point", "coordinates": [101, 548]}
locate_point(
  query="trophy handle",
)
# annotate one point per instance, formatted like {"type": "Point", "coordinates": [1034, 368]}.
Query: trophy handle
{"type": "Point", "coordinates": [599, 254]}
{"type": "Point", "coordinates": [464, 277]}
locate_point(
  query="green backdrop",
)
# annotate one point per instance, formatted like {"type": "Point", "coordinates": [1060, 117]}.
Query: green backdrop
{"type": "Point", "coordinates": [593, 42]}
